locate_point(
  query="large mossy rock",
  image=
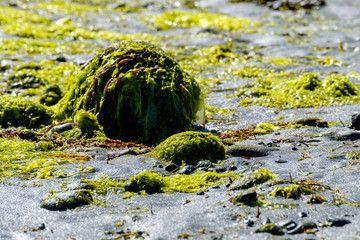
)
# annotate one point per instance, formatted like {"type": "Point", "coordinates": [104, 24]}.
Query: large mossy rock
{"type": "Point", "coordinates": [189, 148]}
{"type": "Point", "coordinates": [137, 92]}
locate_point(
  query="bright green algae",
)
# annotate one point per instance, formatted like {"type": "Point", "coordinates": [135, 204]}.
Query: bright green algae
{"type": "Point", "coordinates": [174, 18]}
{"type": "Point", "coordinates": [189, 148]}
{"type": "Point", "coordinates": [154, 183]}
{"type": "Point", "coordinates": [16, 111]}
{"type": "Point", "coordinates": [307, 90]}
{"type": "Point", "coordinates": [137, 92]}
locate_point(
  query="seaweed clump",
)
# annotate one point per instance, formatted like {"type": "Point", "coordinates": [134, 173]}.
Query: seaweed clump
{"type": "Point", "coordinates": [16, 112]}
{"type": "Point", "coordinates": [137, 92]}
{"type": "Point", "coordinates": [189, 148]}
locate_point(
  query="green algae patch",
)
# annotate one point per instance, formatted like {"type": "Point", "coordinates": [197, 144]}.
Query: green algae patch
{"type": "Point", "coordinates": [44, 46]}
{"type": "Point", "coordinates": [174, 18]}
{"type": "Point", "coordinates": [190, 148]}
{"type": "Point", "coordinates": [104, 185]}
{"type": "Point", "coordinates": [86, 120]}
{"type": "Point", "coordinates": [292, 191]}
{"type": "Point", "coordinates": [137, 92]}
{"type": "Point", "coordinates": [264, 128]}
{"type": "Point", "coordinates": [15, 112]}
{"type": "Point", "coordinates": [307, 90]}
{"type": "Point", "coordinates": [260, 176]}
{"type": "Point", "coordinates": [62, 201]}
{"type": "Point", "coordinates": [39, 74]}
{"type": "Point", "coordinates": [153, 183]}
{"type": "Point", "coordinates": [269, 228]}
{"type": "Point", "coordinates": [51, 95]}
{"type": "Point", "coordinates": [309, 122]}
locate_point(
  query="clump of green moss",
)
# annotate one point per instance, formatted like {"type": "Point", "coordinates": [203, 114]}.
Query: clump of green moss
{"type": "Point", "coordinates": [145, 181]}
{"type": "Point", "coordinates": [137, 92]}
{"type": "Point", "coordinates": [307, 90]}
{"type": "Point", "coordinates": [189, 148]}
{"type": "Point", "coordinates": [292, 191]}
{"type": "Point", "coordinates": [264, 128]}
{"type": "Point", "coordinates": [15, 111]}
{"type": "Point", "coordinates": [86, 121]}
{"type": "Point", "coordinates": [51, 95]}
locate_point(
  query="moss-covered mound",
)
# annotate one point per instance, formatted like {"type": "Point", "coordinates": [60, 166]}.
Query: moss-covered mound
{"type": "Point", "coordinates": [190, 148]}
{"type": "Point", "coordinates": [137, 92]}
{"type": "Point", "coordinates": [15, 112]}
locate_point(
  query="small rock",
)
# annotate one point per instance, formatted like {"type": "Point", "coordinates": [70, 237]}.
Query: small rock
{"type": "Point", "coordinates": [187, 170]}
{"type": "Point", "coordinates": [200, 193]}
{"type": "Point", "coordinates": [338, 222]}
{"type": "Point", "coordinates": [232, 168]}
{"type": "Point", "coordinates": [127, 151]}
{"type": "Point", "coordinates": [62, 128]}
{"type": "Point", "coordinates": [41, 226]}
{"type": "Point", "coordinates": [249, 222]}
{"type": "Point", "coordinates": [66, 200]}
{"type": "Point", "coordinates": [144, 151]}
{"type": "Point", "coordinates": [287, 225]}
{"type": "Point", "coordinates": [221, 169]}
{"type": "Point", "coordinates": [171, 167]}
{"type": "Point", "coordinates": [303, 227]}
{"type": "Point", "coordinates": [302, 214]}
{"type": "Point", "coordinates": [247, 197]}
{"type": "Point", "coordinates": [355, 121]}
{"type": "Point", "coordinates": [347, 135]}
{"type": "Point", "coordinates": [204, 165]}
{"type": "Point", "coordinates": [247, 151]}
{"type": "Point", "coordinates": [60, 59]}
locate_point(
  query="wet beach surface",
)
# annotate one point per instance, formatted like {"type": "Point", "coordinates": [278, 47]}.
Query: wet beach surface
{"type": "Point", "coordinates": [224, 59]}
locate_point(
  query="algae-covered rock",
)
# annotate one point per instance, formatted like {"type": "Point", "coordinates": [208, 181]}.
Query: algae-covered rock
{"type": "Point", "coordinates": [136, 91]}
{"type": "Point", "coordinates": [145, 181]}
{"type": "Point", "coordinates": [190, 147]}
{"type": "Point", "coordinates": [66, 200]}
{"type": "Point", "coordinates": [15, 112]}
{"type": "Point", "coordinates": [260, 176]}
{"type": "Point", "coordinates": [269, 228]}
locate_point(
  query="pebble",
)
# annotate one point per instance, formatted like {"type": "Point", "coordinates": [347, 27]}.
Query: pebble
{"type": "Point", "coordinates": [127, 151]}
{"type": "Point", "coordinates": [303, 227]}
{"type": "Point", "coordinates": [302, 214]}
{"type": "Point", "coordinates": [247, 151]}
{"type": "Point", "coordinates": [204, 164]}
{"type": "Point", "coordinates": [171, 167]}
{"type": "Point", "coordinates": [355, 121]}
{"type": "Point", "coordinates": [347, 135]}
{"type": "Point", "coordinates": [187, 170]}
{"type": "Point", "coordinates": [247, 197]}
{"type": "Point", "coordinates": [62, 128]}
{"type": "Point", "coordinates": [144, 151]}
{"type": "Point", "coordinates": [287, 224]}
{"type": "Point", "coordinates": [338, 222]}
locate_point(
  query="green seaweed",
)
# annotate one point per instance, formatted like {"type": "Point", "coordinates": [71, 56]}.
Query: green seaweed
{"type": "Point", "coordinates": [175, 18]}
{"type": "Point", "coordinates": [292, 191]}
{"type": "Point", "coordinates": [269, 228]}
{"type": "Point", "coordinates": [307, 90]}
{"type": "Point", "coordinates": [137, 92]}
{"type": "Point", "coordinates": [16, 111]}
{"type": "Point", "coordinates": [154, 183]}
{"type": "Point", "coordinates": [189, 148]}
